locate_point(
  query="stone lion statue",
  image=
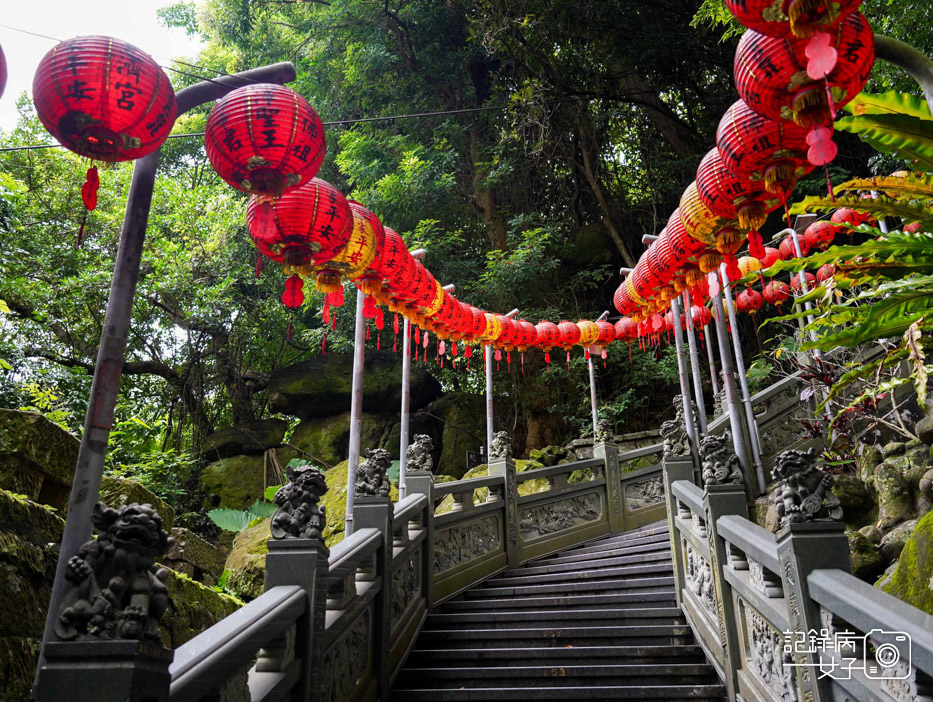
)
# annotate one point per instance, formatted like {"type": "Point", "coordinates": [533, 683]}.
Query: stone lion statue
{"type": "Point", "coordinates": [806, 491]}
{"type": "Point", "coordinates": [418, 455]}
{"type": "Point", "coordinates": [298, 515]}
{"type": "Point", "coordinates": [720, 465]}
{"type": "Point", "coordinates": [501, 446]}
{"type": "Point", "coordinates": [674, 431]}
{"type": "Point", "coordinates": [603, 433]}
{"type": "Point", "coordinates": [372, 478]}
{"type": "Point", "coordinates": [116, 591]}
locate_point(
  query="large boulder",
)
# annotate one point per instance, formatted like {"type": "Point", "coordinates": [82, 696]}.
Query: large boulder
{"type": "Point", "coordinates": [463, 428]}
{"type": "Point", "coordinates": [253, 437]}
{"type": "Point", "coordinates": [247, 561]}
{"type": "Point", "coordinates": [237, 482]}
{"type": "Point", "coordinates": [867, 561]}
{"type": "Point", "coordinates": [894, 541]}
{"type": "Point", "coordinates": [548, 456]}
{"type": "Point", "coordinates": [193, 556]}
{"type": "Point", "coordinates": [895, 503]}
{"type": "Point", "coordinates": [326, 440]}
{"type": "Point", "coordinates": [37, 458]}
{"type": "Point", "coordinates": [116, 492]}
{"type": "Point", "coordinates": [912, 578]}
{"type": "Point", "coordinates": [194, 608]}
{"type": "Point", "coordinates": [855, 498]}
{"type": "Point", "coordinates": [321, 386]}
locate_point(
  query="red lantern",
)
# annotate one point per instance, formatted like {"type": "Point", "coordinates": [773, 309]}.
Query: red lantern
{"type": "Point", "coordinates": [846, 215]}
{"type": "Point", "coordinates": [607, 334]}
{"type": "Point", "coordinates": [800, 17]}
{"type": "Point", "coordinates": [528, 336]}
{"type": "Point", "coordinates": [104, 99]}
{"type": "Point", "coordinates": [701, 316]}
{"type": "Point", "coordinates": [622, 301]}
{"type": "Point", "coordinates": [264, 139]}
{"type": "Point", "coordinates": [787, 249]}
{"type": "Point", "coordinates": [569, 334]}
{"type": "Point", "coordinates": [771, 73]}
{"type": "Point", "coordinates": [749, 300]}
{"type": "Point", "coordinates": [626, 329]}
{"type": "Point", "coordinates": [762, 150]}
{"type": "Point", "coordinates": [776, 293]}
{"type": "Point", "coordinates": [548, 335]}
{"type": "Point", "coordinates": [819, 235]}
{"type": "Point", "coordinates": [396, 266]}
{"type": "Point", "coordinates": [797, 286]}
{"type": "Point", "coordinates": [772, 256]}
{"type": "Point", "coordinates": [825, 272]}
{"type": "Point", "coordinates": [682, 245]}
{"type": "Point", "coordinates": [479, 322]}
{"type": "Point", "coordinates": [3, 71]}
{"type": "Point", "coordinates": [311, 225]}
{"type": "Point", "coordinates": [731, 197]}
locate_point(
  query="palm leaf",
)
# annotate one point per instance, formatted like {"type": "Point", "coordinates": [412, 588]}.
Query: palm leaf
{"type": "Point", "coordinates": [882, 207]}
{"type": "Point", "coordinates": [892, 103]}
{"type": "Point", "coordinates": [897, 134]}
{"type": "Point", "coordinates": [891, 316]}
{"type": "Point", "coordinates": [913, 186]}
{"type": "Point", "coordinates": [863, 371]}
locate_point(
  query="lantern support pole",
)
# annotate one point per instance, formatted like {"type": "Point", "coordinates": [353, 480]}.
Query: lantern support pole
{"type": "Point", "coordinates": [754, 440]}
{"type": "Point", "coordinates": [682, 375]}
{"type": "Point", "coordinates": [695, 366]}
{"type": "Point", "coordinates": [405, 421]}
{"type": "Point", "coordinates": [490, 429]}
{"type": "Point", "coordinates": [356, 407]}
{"type": "Point", "coordinates": [108, 367]}
{"type": "Point", "coordinates": [725, 357]}
{"type": "Point", "coordinates": [713, 373]}
{"type": "Point", "coordinates": [591, 368]}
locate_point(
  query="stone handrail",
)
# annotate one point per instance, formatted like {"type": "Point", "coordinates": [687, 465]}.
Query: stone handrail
{"type": "Point", "coordinates": [560, 469]}
{"type": "Point", "coordinates": [203, 664]}
{"type": "Point", "coordinates": [760, 604]}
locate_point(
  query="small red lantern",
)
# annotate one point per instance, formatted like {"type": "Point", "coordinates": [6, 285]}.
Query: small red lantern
{"type": "Point", "coordinates": [547, 337]}
{"type": "Point", "coordinates": [787, 249]}
{"type": "Point", "coordinates": [771, 73]}
{"type": "Point", "coordinates": [846, 215]}
{"type": "Point", "coordinates": [3, 71]}
{"type": "Point", "coordinates": [528, 336]}
{"type": "Point", "coordinates": [626, 329]}
{"type": "Point", "coordinates": [607, 334]}
{"type": "Point", "coordinates": [819, 235]}
{"type": "Point", "coordinates": [798, 17]}
{"type": "Point", "coordinates": [776, 293]}
{"type": "Point", "coordinates": [701, 316]}
{"type": "Point", "coordinates": [772, 256]}
{"type": "Point", "coordinates": [622, 301]}
{"type": "Point", "coordinates": [682, 245]}
{"type": "Point", "coordinates": [797, 286]}
{"type": "Point", "coordinates": [569, 335]}
{"type": "Point", "coordinates": [264, 139]}
{"type": "Point", "coordinates": [825, 272]}
{"type": "Point", "coordinates": [753, 147]}
{"type": "Point", "coordinates": [749, 300]}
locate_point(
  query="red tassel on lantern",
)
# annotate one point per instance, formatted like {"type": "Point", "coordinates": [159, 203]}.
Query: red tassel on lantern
{"type": "Point", "coordinates": [293, 295]}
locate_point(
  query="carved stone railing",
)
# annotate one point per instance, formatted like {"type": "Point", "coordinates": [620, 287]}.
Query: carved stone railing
{"type": "Point", "coordinates": [751, 597]}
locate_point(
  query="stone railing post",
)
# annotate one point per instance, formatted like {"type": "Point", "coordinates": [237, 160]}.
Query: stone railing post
{"type": "Point", "coordinates": [376, 513]}
{"type": "Point", "coordinates": [301, 562]}
{"type": "Point", "coordinates": [421, 482]}
{"type": "Point", "coordinates": [674, 469]}
{"type": "Point", "coordinates": [722, 500]}
{"type": "Point", "coordinates": [802, 548]}
{"type": "Point", "coordinates": [505, 467]}
{"type": "Point", "coordinates": [609, 453]}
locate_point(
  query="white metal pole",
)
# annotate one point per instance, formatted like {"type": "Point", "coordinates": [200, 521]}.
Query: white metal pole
{"type": "Point", "coordinates": [743, 384]}
{"type": "Point", "coordinates": [682, 374]}
{"type": "Point", "coordinates": [487, 350]}
{"type": "Point", "coordinates": [695, 365]}
{"type": "Point", "coordinates": [725, 357]}
{"type": "Point", "coordinates": [590, 367]}
{"type": "Point", "coordinates": [405, 422]}
{"type": "Point", "coordinates": [356, 409]}
{"type": "Point", "coordinates": [713, 373]}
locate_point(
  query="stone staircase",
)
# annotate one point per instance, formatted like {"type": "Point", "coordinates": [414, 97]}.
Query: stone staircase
{"type": "Point", "coordinates": [595, 622]}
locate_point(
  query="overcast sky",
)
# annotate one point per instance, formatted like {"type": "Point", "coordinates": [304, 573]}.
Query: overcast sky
{"type": "Point", "coordinates": [134, 21]}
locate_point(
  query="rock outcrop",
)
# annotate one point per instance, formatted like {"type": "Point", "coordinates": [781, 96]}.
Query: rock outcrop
{"type": "Point", "coordinates": [37, 458]}
{"type": "Point", "coordinates": [253, 437]}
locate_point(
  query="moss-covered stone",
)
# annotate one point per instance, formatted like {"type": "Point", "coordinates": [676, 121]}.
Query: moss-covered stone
{"type": "Point", "coordinates": [528, 487]}
{"type": "Point", "coordinates": [19, 656]}
{"type": "Point", "coordinates": [37, 458]}
{"type": "Point", "coordinates": [912, 579]}
{"type": "Point", "coordinates": [867, 561]}
{"type": "Point", "coordinates": [321, 386]}
{"type": "Point", "coordinates": [237, 482]}
{"type": "Point", "coordinates": [116, 492]}
{"type": "Point", "coordinates": [463, 418]}
{"type": "Point", "coordinates": [252, 437]}
{"type": "Point", "coordinates": [247, 561]}
{"type": "Point", "coordinates": [548, 456]}
{"type": "Point", "coordinates": [895, 503]}
{"type": "Point", "coordinates": [855, 498]}
{"type": "Point", "coordinates": [335, 503]}
{"type": "Point", "coordinates": [895, 448]}
{"type": "Point", "coordinates": [894, 541]}
{"type": "Point", "coordinates": [326, 440]}
{"type": "Point", "coordinates": [194, 557]}
{"type": "Point", "coordinates": [872, 533]}
{"type": "Point", "coordinates": [194, 608]}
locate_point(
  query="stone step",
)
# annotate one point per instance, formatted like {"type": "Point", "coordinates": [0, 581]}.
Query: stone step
{"type": "Point", "coordinates": [559, 676]}
{"type": "Point", "coordinates": [608, 552]}
{"type": "Point", "coordinates": [660, 566]}
{"type": "Point", "coordinates": [524, 637]}
{"type": "Point", "coordinates": [548, 618]}
{"type": "Point", "coordinates": [665, 693]}
{"type": "Point", "coordinates": [629, 559]}
{"type": "Point", "coordinates": [615, 542]}
{"type": "Point", "coordinates": [661, 598]}
{"type": "Point", "coordinates": [548, 655]}
{"type": "Point", "coordinates": [606, 586]}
